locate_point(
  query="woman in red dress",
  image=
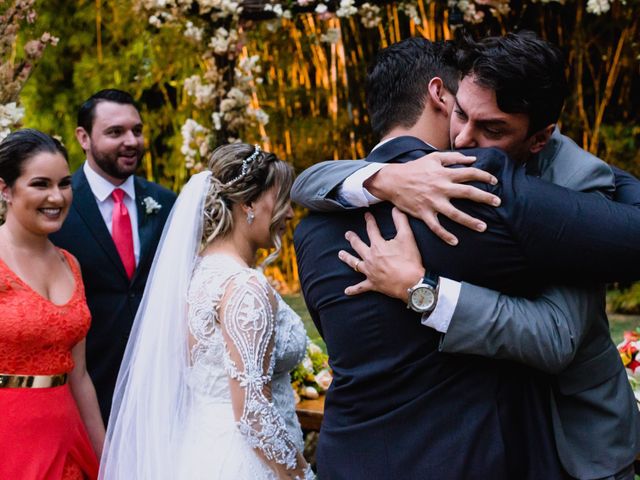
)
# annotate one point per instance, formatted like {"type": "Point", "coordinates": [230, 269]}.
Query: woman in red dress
{"type": "Point", "coordinates": [50, 423]}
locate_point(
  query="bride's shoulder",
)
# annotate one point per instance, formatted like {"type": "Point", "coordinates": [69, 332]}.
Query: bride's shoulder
{"type": "Point", "coordinates": [218, 268]}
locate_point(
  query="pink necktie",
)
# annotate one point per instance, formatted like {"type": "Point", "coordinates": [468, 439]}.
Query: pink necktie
{"type": "Point", "coordinates": [122, 233]}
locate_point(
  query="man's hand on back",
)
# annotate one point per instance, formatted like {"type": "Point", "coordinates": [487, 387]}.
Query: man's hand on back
{"type": "Point", "coordinates": [424, 189]}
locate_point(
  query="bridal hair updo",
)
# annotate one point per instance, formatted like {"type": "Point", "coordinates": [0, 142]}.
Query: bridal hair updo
{"type": "Point", "coordinates": [230, 186]}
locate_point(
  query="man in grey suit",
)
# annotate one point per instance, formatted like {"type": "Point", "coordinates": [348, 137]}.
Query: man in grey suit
{"type": "Point", "coordinates": [595, 420]}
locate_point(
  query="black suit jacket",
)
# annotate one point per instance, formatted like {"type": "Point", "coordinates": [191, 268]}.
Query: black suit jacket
{"type": "Point", "coordinates": [398, 408]}
{"type": "Point", "coordinates": [113, 299]}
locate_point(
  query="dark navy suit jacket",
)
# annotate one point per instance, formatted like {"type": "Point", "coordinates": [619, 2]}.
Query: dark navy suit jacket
{"type": "Point", "coordinates": [398, 408]}
{"type": "Point", "coordinates": [113, 299]}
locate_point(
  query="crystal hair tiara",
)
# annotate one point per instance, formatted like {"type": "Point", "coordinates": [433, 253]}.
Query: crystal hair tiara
{"type": "Point", "coordinates": [246, 163]}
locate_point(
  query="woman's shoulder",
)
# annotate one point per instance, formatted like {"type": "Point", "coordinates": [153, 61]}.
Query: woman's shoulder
{"type": "Point", "coordinates": [220, 271]}
{"type": "Point", "coordinates": [70, 258]}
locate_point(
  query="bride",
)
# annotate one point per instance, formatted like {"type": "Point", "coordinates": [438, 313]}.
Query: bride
{"type": "Point", "coordinates": [204, 391]}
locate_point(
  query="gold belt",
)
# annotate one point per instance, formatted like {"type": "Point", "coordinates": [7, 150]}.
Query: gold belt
{"type": "Point", "coordinates": [32, 381]}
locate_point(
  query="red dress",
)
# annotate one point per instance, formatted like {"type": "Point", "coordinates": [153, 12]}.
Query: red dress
{"type": "Point", "coordinates": [42, 436]}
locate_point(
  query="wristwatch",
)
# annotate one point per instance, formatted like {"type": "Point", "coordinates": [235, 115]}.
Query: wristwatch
{"type": "Point", "coordinates": [424, 294]}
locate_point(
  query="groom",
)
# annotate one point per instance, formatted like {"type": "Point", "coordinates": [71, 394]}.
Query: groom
{"type": "Point", "coordinates": [113, 229]}
{"type": "Point", "coordinates": [494, 255]}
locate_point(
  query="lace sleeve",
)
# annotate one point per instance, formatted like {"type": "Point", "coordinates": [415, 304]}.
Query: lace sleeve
{"type": "Point", "coordinates": [248, 326]}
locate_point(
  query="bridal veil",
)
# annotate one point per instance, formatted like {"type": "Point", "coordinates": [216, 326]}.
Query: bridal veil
{"type": "Point", "coordinates": [151, 397]}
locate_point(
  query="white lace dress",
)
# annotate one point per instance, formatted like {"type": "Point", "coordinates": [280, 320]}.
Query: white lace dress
{"type": "Point", "coordinates": [245, 341]}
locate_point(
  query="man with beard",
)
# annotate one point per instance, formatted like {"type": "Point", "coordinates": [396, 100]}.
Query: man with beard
{"type": "Point", "coordinates": [113, 229]}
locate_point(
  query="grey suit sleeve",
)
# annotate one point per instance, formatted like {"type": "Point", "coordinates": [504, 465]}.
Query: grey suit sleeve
{"type": "Point", "coordinates": [315, 187]}
{"type": "Point", "coordinates": [543, 333]}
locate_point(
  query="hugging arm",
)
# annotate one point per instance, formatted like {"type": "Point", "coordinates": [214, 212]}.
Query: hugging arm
{"type": "Point", "coordinates": [627, 188]}
{"type": "Point", "coordinates": [316, 187]}
{"type": "Point", "coordinates": [544, 332]}
{"type": "Point", "coordinates": [248, 327]}
{"type": "Point", "coordinates": [483, 322]}
{"type": "Point", "coordinates": [423, 188]}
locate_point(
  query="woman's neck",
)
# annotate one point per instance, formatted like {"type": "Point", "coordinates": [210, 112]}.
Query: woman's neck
{"type": "Point", "coordinates": [238, 248]}
{"type": "Point", "coordinates": [20, 239]}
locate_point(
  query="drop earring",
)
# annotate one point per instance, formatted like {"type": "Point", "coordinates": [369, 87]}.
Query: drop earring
{"type": "Point", "coordinates": [250, 217]}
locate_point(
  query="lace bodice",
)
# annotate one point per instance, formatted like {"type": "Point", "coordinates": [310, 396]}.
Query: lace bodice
{"type": "Point", "coordinates": [38, 335]}
{"type": "Point", "coordinates": [245, 340]}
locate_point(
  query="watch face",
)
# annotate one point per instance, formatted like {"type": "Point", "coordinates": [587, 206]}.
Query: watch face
{"type": "Point", "coordinates": [423, 298]}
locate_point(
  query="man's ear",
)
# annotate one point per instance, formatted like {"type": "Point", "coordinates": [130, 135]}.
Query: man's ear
{"type": "Point", "coordinates": [540, 138]}
{"type": "Point", "coordinates": [83, 137]}
{"type": "Point", "coordinates": [436, 91]}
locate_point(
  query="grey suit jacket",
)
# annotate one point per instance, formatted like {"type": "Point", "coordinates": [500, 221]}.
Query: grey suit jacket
{"type": "Point", "coordinates": [564, 332]}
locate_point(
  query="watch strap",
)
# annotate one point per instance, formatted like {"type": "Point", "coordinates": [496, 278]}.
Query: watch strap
{"type": "Point", "coordinates": [431, 279]}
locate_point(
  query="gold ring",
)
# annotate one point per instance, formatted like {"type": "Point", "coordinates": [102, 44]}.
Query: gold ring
{"type": "Point", "coordinates": [355, 267]}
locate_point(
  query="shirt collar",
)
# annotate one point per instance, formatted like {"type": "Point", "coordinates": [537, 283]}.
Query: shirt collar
{"type": "Point", "coordinates": [102, 188]}
{"type": "Point", "coordinates": [382, 142]}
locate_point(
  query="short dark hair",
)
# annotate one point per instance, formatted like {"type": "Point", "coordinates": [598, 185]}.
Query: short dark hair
{"type": "Point", "coordinates": [20, 146]}
{"type": "Point", "coordinates": [397, 80]}
{"type": "Point", "coordinates": [526, 73]}
{"type": "Point", "coordinates": [87, 110]}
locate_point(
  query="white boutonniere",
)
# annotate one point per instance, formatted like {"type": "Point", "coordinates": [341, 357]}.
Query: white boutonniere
{"type": "Point", "coordinates": [151, 207]}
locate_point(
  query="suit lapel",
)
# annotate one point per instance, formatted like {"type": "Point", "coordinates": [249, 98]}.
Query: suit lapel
{"type": "Point", "coordinates": [400, 150]}
{"type": "Point", "coordinates": [145, 222]}
{"type": "Point", "coordinates": [85, 205]}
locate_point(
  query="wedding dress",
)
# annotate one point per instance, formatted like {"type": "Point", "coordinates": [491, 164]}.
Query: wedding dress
{"type": "Point", "coordinates": [208, 330]}
{"type": "Point", "coordinates": [244, 340]}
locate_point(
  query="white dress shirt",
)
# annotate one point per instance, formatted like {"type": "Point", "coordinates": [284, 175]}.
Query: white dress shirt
{"type": "Point", "coordinates": [353, 193]}
{"type": "Point", "coordinates": [102, 190]}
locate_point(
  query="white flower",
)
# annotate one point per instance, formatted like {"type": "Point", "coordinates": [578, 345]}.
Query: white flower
{"type": "Point", "coordinates": [332, 36]}
{"type": "Point", "coordinates": [193, 134]}
{"type": "Point", "coordinates": [10, 114]}
{"type": "Point", "coordinates": [216, 118]}
{"type": "Point", "coordinates": [598, 7]}
{"type": "Point", "coordinates": [321, 8]}
{"type": "Point", "coordinates": [155, 21]}
{"type": "Point", "coordinates": [411, 10]}
{"type": "Point", "coordinates": [260, 115]}
{"type": "Point", "coordinates": [307, 364]}
{"type": "Point", "coordinates": [370, 15]}
{"type": "Point", "coordinates": [223, 41]}
{"type": "Point", "coordinates": [310, 392]}
{"type": "Point", "coordinates": [324, 378]}
{"type": "Point", "coordinates": [150, 205]}
{"type": "Point", "coordinates": [204, 93]}
{"type": "Point", "coordinates": [192, 32]}
{"type": "Point", "coordinates": [347, 8]}
{"type": "Point", "coordinates": [4, 133]}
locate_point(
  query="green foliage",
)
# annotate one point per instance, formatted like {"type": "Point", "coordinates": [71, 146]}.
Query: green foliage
{"type": "Point", "coordinates": [621, 145]}
{"type": "Point", "coordinates": [625, 300]}
{"type": "Point", "coordinates": [311, 86]}
{"type": "Point", "coordinates": [127, 54]}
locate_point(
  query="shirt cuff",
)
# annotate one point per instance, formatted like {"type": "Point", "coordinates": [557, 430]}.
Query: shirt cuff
{"type": "Point", "coordinates": [448, 294]}
{"type": "Point", "coordinates": [352, 191]}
